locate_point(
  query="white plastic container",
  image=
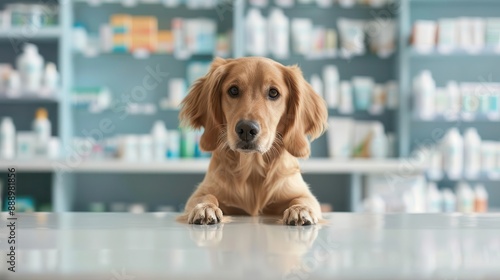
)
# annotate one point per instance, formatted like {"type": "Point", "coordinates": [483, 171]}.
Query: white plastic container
{"type": "Point", "coordinates": [378, 99]}
{"type": "Point", "coordinates": [146, 148]}
{"type": "Point", "coordinates": [346, 104]}
{"type": "Point", "coordinates": [159, 134]}
{"type": "Point", "coordinates": [255, 27]}
{"type": "Point", "coordinates": [374, 204]}
{"type": "Point", "coordinates": [302, 35]}
{"type": "Point", "coordinates": [317, 84]}
{"type": "Point", "coordinates": [434, 199]}
{"type": "Point", "coordinates": [425, 89]}
{"type": "Point", "coordinates": [80, 38]}
{"type": "Point", "coordinates": [453, 153]}
{"type": "Point", "coordinates": [378, 143]}
{"type": "Point", "coordinates": [14, 84]}
{"type": "Point", "coordinates": [177, 91]}
{"type": "Point", "coordinates": [278, 34]}
{"type": "Point", "coordinates": [363, 91]}
{"type": "Point", "coordinates": [50, 78]}
{"type": "Point", "coordinates": [130, 148]}
{"type": "Point", "coordinates": [465, 198]}
{"type": "Point", "coordinates": [472, 153]}
{"type": "Point", "coordinates": [332, 87]}
{"type": "Point", "coordinates": [7, 138]}
{"type": "Point", "coordinates": [340, 144]}
{"type": "Point", "coordinates": [30, 67]}
{"type": "Point", "coordinates": [43, 132]}
{"type": "Point", "coordinates": [488, 156]}
{"type": "Point", "coordinates": [480, 199]}
{"type": "Point", "coordinates": [449, 201]}
{"type": "Point", "coordinates": [454, 100]}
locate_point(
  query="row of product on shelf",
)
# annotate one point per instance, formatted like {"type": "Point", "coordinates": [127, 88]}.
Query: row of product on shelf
{"type": "Point", "coordinates": [272, 36]}
{"type": "Point", "coordinates": [30, 78]}
{"type": "Point", "coordinates": [348, 138]}
{"type": "Point", "coordinates": [38, 143]}
{"type": "Point", "coordinates": [96, 99]}
{"type": "Point", "coordinates": [417, 196]}
{"type": "Point", "coordinates": [452, 34]}
{"type": "Point", "coordinates": [321, 3]}
{"type": "Point", "coordinates": [28, 15]}
{"type": "Point", "coordinates": [159, 145]}
{"type": "Point", "coordinates": [359, 94]}
{"type": "Point", "coordinates": [135, 34]}
{"type": "Point", "coordinates": [464, 100]}
{"type": "Point", "coordinates": [461, 157]}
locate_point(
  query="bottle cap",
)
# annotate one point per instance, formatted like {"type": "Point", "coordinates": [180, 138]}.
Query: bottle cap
{"type": "Point", "coordinates": [41, 113]}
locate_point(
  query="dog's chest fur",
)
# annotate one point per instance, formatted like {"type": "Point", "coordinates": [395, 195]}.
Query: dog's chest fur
{"type": "Point", "coordinates": [250, 183]}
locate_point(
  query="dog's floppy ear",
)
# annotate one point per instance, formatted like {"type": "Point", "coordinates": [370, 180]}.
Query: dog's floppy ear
{"type": "Point", "coordinates": [202, 105]}
{"type": "Point", "coordinates": [307, 114]}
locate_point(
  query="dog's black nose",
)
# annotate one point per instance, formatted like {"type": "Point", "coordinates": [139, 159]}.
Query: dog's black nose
{"type": "Point", "coordinates": [247, 130]}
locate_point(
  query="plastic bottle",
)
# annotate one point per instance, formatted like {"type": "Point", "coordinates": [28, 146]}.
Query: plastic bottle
{"type": "Point", "coordinates": [434, 199]}
{"type": "Point", "coordinates": [465, 198]}
{"type": "Point", "coordinates": [278, 34]}
{"type": "Point", "coordinates": [454, 99]}
{"type": "Point", "coordinates": [30, 67]}
{"type": "Point", "coordinates": [317, 84]}
{"type": "Point", "coordinates": [159, 133]}
{"type": "Point", "coordinates": [424, 88]}
{"type": "Point", "coordinates": [50, 78]}
{"type": "Point", "coordinates": [374, 204]}
{"type": "Point", "coordinates": [331, 89]}
{"type": "Point", "coordinates": [472, 153]}
{"type": "Point", "coordinates": [43, 131]}
{"type": "Point", "coordinates": [378, 143]}
{"type": "Point", "coordinates": [453, 153]}
{"type": "Point", "coordinates": [7, 138]}
{"type": "Point", "coordinates": [480, 199]}
{"type": "Point", "coordinates": [449, 201]}
{"type": "Point", "coordinates": [345, 105]}
{"type": "Point", "coordinates": [255, 26]}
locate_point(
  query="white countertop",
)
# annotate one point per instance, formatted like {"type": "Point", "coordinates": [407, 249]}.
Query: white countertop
{"type": "Point", "coordinates": [115, 246]}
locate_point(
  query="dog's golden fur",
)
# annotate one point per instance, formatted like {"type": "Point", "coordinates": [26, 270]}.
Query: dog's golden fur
{"type": "Point", "coordinates": [266, 180]}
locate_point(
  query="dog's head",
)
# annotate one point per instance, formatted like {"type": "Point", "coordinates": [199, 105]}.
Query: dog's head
{"type": "Point", "coordinates": [250, 104]}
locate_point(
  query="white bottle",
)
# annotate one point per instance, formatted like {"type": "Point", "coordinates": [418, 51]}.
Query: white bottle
{"type": "Point", "coordinates": [43, 131]}
{"type": "Point", "coordinates": [30, 67]}
{"type": "Point", "coordinates": [449, 201]}
{"type": "Point", "coordinates": [374, 204]}
{"type": "Point", "coordinates": [159, 133]}
{"type": "Point", "coordinates": [453, 153]}
{"type": "Point", "coordinates": [255, 27]}
{"type": "Point", "coordinates": [317, 84]}
{"type": "Point", "coordinates": [480, 199]}
{"type": "Point", "coordinates": [50, 78]}
{"type": "Point", "coordinates": [145, 148]}
{"type": "Point", "coordinates": [278, 34]}
{"type": "Point", "coordinates": [465, 198]}
{"type": "Point", "coordinates": [345, 105]}
{"type": "Point", "coordinates": [434, 199]}
{"type": "Point", "coordinates": [331, 89]}
{"type": "Point", "coordinates": [14, 84]}
{"type": "Point", "coordinates": [472, 153]}
{"type": "Point", "coordinates": [7, 138]}
{"type": "Point", "coordinates": [454, 99]}
{"type": "Point", "coordinates": [424, 89]}
{"type": "Point", "coordinates": [378, 143]}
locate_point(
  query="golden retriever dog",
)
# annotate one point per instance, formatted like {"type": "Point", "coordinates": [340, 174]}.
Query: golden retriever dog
{"type": "Point", "coordinates": [257, 116]}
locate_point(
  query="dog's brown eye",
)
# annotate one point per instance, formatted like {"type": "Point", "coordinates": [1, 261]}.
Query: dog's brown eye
{"type": "Point", "coordinates": [273, 93]}
{"type": "Point", "coordinates": [233, 91]}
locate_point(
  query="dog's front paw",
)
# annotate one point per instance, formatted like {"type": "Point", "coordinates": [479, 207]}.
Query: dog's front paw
{"type": "Point", "coordinates": [299, 215]}
{"type": "Point", "coordinates": [205, 214]}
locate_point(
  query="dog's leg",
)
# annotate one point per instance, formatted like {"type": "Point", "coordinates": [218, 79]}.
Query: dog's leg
{"type": "Point", "coordinates": [302, 211]}
{"type": "Point", "coordinates": [203, 210]}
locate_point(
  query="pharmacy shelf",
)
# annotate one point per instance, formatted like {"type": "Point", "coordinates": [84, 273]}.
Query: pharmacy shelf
{"type": "Point", "coordinates": [462, 119]}
{"type": "Point", "coordinates": [474, 2]}
{"type": "Point", "coordinates": [486, 53]}
{"type": "Point", "coordinates": [27, 100]}
{"type": "Point", "coordinates": [310, 166]}
{"type": "Point", "coordinates": [27, 33]}
{"type": "Point", "coordinates": [143, 55]}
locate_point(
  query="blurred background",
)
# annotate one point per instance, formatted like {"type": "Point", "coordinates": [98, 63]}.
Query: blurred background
{"type": "Point", "coordinates": [90, 93]}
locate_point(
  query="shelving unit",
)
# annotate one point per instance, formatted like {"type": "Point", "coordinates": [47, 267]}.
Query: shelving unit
{"type": "Point", "coordinates": [80, 70]}
{"type": "Point", "coordinates": [41, 34]}
{"type": "Point", "coordinates": [458, 65]}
